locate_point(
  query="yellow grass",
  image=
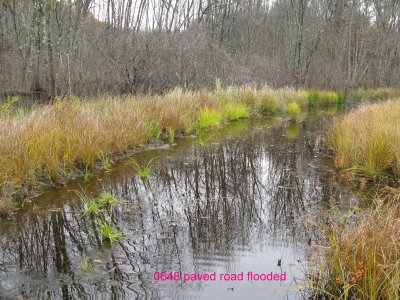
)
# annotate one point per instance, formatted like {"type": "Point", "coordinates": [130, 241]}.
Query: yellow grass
{"type": "Point", "coordinates": [367, 140]}
{"type": "Point", "coordinates": [54, 142]}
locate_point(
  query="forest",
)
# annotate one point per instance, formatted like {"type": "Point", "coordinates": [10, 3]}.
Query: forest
{"type": "Point", "coordinates": [93, 47]}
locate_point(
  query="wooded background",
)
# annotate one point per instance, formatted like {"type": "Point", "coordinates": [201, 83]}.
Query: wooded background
{"type": "Point", "coordinates": [92, 47]}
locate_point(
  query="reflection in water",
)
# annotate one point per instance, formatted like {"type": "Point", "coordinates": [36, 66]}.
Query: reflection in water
{"type": "Point", "coordinates": [293, 130]}
{"type": "Point", "coordinates": [231, 205]}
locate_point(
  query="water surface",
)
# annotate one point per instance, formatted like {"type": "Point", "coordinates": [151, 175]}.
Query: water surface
{"type": "Point", "coordinates": [239, 199]}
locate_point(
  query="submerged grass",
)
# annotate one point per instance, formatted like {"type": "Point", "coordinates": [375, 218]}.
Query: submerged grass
{"type": "Point", "coordinates": [86, 265]}
{"type": "Point", "coordinates": [96, 206]}
{"type": "Point", "coordinates": [110, 233]}
{"type": "Point", "coordinates": [72, 137]}
{"type": "Point", "coordinates": [143, 171]}
{"type": "Point", "coordinates": [366, 142]}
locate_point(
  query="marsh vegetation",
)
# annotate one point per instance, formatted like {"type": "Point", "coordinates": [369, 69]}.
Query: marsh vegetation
{"type": "Point", "coordinates": [360, 257]}
{"type": "Point", "coordinates": [50, 144]}
{"type": "Point", "coordinates": [250, 91]}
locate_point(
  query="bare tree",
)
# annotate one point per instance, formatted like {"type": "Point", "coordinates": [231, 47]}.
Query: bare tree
{"type": "Point", "coordinates": [89, 47]}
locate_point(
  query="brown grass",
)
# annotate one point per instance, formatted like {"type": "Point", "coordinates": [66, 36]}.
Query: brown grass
{"type": "Point", "coordinates": [362, 257]}
{"type": "Point", "coordinates": [55, 142]}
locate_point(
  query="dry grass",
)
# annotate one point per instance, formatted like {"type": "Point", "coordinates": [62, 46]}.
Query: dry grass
{"type": "Point", "coordinates": [52, 139]}
{"type": "Point", "coordinates": [373, 94]}
{"type": "Point", "coordinates": [362, 257]}
{"type": "Point", "coordinates": [55, 142]}
{"type": "Point", "coordinates": [367, 140]}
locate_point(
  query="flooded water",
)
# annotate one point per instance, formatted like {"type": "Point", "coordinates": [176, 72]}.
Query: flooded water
{"type": "Point", "coordinates": [232, 201]}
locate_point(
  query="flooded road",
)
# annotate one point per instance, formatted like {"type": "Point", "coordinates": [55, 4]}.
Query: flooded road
{"type": "Point", "coordinates": [235, 200]}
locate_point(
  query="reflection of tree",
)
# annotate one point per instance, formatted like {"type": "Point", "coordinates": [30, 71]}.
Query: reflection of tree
{"type": "Point", "coordinates": [195, 214]}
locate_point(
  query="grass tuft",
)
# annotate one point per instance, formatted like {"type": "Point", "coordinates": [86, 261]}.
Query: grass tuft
{"type": "Point", "coordinates": [294, 110]}
{"type": "Point", "coordinates": [109, 233]}
{"type": "Point", "coordinates": [143, 171]}
{"type": "Point", "coordinates": [86, 265]}
{"type": "Point", "coordinates": [236, 111]}
{"type": "Point", "coordinates": [367, 140]}
{"type": "Point", "coordinates": [341, 97]}
{"type": "Point", "coordinates": [209, 118]}
{"type": "Point", "coordinates": [106, 199]}
{"type": "Point", "coordinates": [313, 98]}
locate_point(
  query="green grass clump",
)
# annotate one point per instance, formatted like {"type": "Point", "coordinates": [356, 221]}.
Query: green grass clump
{"type": "Point", "coordinates": [341, 97]}
{"type": "Point", "coordinates": [109, 233]}
{"type": "Point", "coordinates": [143, 171]}
{"type": "Point", "coordinates": [317, 98]}
{"type": "Point", "coordinates": [327, 98]}
{"type": "Point", "coordinates": [106, 199]}
{"type": "Point", "coordinates": [367, 141]}
{"type": "Point", "coordinates": [313, 98]}
{"type": "Point", "coordinates": [236, 111]}
{"type": "Point", "coordinates": [209, 118]}
{"type": "Point", "coordinates": [95, 207]}
{"type": "Point", "coordinates": [105, 161]}
{"type": "Point", "coordinates": [294, 110]}
{"type": "Point", "coordinates": [86, 265]}
{"type": "Point", "coordinates": [171, 135]}
{"type": "Point", "coordinates": [90, 206]}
